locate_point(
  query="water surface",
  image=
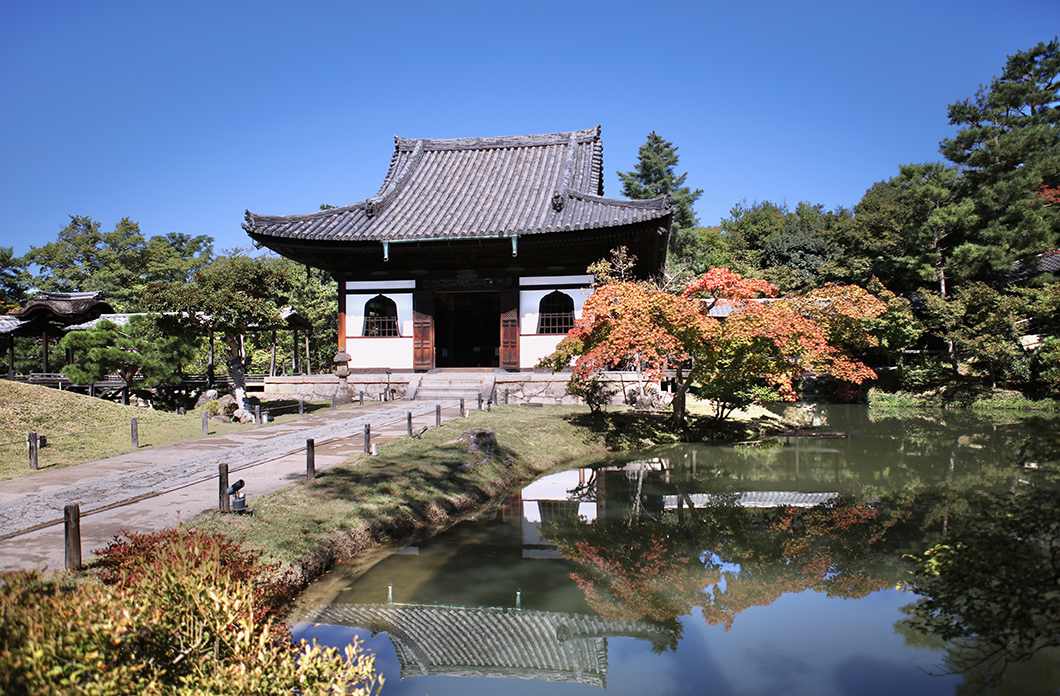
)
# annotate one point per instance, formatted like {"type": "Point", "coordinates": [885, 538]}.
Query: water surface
{"type": "Point", "coordinates": [776, 569]}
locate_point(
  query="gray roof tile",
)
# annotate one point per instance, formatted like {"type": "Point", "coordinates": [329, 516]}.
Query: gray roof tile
{"type": "Point", "coordinates": [473, 188]}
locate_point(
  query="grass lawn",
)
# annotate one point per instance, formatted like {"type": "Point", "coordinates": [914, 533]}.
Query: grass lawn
{"type": "Point", "coordinates": [82, 429]}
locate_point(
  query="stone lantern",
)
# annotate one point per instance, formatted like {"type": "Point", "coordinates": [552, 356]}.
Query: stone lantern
{"type": "Point", "coordinates": [342, 370]}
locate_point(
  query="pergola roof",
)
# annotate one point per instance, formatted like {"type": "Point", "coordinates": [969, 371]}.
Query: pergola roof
{"type": "Point", "coordinates": [475, 188]}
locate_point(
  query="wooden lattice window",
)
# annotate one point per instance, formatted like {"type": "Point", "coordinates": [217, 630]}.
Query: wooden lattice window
{"type": "Point", "coordinates": [555, 313]}
{"type": "Point", "coordinates": [380, 317]}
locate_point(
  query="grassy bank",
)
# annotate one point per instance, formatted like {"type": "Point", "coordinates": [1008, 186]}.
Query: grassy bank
{"type": "Point", "coordinates": [412, 484]}
{"type": "Point", "coordinates": [991, 400]}
{"type": "Point", "coordinates": [422, 484]}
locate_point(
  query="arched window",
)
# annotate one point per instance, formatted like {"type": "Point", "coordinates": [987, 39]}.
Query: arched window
{"type": "Point", "coordinates": [555, 314]}
{"type": "Point", "coordinates": [380, 317]}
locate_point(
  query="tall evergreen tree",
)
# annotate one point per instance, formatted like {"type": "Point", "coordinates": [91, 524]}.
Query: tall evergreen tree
{"type": "Point", "coordinates": [1008, 148]}
{"type": "Point", "coordinates": [655, 176]}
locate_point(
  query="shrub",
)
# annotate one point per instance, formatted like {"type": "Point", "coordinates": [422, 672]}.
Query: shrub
{"type": "Point", "coordinates": [183, 612]}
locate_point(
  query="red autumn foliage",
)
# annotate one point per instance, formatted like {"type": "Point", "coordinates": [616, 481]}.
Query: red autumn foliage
{"type": "Point", "coordinates": [763, 342]}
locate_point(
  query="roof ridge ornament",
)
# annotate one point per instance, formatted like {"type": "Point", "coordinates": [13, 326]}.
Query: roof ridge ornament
{"type": "Point", "coordinates": [559, 198]}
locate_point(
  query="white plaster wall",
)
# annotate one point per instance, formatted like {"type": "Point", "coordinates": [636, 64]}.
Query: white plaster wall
{"type": "Point", "coordinates": [380, 352]}
{"type": "Point", "coordinates": [532, 345]}
{"type": "Point", "coordinates": [355, 312]}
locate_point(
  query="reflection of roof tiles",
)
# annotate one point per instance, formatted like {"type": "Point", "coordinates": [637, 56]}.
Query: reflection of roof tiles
{"type": "Point", "coordinates": [492, 642]}
{"type": "Point", "coordinates": [476, 187]}
{"type": "Point", "coordinates": [760, 499]}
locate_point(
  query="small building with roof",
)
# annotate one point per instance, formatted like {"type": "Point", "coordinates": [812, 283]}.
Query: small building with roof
{"type": "Point", "coordinates": [473, 253]}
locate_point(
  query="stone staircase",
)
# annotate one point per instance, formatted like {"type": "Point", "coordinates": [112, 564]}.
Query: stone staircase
{"type": "Point", "coordinates": [455, 385]}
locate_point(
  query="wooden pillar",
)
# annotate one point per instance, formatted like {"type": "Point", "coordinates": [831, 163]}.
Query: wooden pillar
{"type": "Point", "coordinates": [294, 353]}
{"type": "Point", "coordinates": [44, 351]}
{"type": "Point", "coordinates": [11, 356]}
{"type": "Point", "coordinates": [510, 329]}
{"type": "Point", "coordinates": [308, 364]}
{"type": "Point", "coordinates": [340, 278]}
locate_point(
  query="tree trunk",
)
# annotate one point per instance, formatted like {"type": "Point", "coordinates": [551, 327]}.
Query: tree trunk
{"type": "Point", "coordinates": [679, 402]}
{"type": "Point", "coordinates": [237, 372]}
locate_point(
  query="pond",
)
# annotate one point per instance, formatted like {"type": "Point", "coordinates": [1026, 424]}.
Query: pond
{"type": "Point", "coordinates": [781, 568]}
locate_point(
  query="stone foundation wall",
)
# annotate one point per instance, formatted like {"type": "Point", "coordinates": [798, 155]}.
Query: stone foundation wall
{"type": "Point", "coordinates": [520, 387]}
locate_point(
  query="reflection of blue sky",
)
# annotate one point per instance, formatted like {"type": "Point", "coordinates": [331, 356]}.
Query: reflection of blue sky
{"type": "Point", "coordinates": [805, 643]}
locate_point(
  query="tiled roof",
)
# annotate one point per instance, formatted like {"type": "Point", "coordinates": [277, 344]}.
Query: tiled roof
{"type": "Point", "coordinates": [467, 188]}
{"type": "Point", "coordinates": [494, 642]}
{"type": "Point", "coordinates": [64, 305]}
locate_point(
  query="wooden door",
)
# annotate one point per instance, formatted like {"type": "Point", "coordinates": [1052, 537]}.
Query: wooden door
{"type": "Point", "coordinates": [422, 330]}
{"type": "Point", "coordinates": [510, 329]}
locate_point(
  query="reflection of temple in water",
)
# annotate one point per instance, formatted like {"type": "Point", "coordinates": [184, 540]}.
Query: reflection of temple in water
{"type": "Point", "coordinates": [495, 642]}
{"type": "Point", "coordinates": [445, 612]}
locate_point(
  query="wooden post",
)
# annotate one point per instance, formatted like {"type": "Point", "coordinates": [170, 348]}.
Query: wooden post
{"type": "Point", "coordinates": [33, 441]}
{"type": "Point", "coordinates": [205, 422]}
{"type": "Point", "coordinates": [301, 405]}
{"type": "Point", "coordinates": [72, 524]}
{"type": "Point", "coordinates": [437, 415]}
{"type": "Point", "coordinates": [334, 403]}
{"type": "Point", "coordinates": [310, 459]}
{"type": "Point", "coordinates": [135, 427]}
{"type": "Point", "coordinates": [223, 502]}
{"type": "Point", "coordinates": [480, 402]}
{"type": "Point", "coordinates": [257, 414]}
{"type": "Point", "coordinates": [367, 438]}
{"type": "Point", "coordinates": [505, 397]}
{"type": "Point", "coordinates": [361, 403]}
{"type": "Point", "coordinates": [463, 413]}
{"type": "Point", "coordinates": [410, 423]}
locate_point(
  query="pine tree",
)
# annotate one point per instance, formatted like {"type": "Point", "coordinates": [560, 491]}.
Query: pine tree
{"type": "Point", "coordinates": [1008, 148]}
{"type": "Point", "coordinates": [654, 176]}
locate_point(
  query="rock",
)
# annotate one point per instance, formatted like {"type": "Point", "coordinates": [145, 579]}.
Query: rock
{"type": "Point", "coordinates": [206, 397]}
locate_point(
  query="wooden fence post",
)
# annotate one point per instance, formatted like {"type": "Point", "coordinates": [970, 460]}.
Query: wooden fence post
{"type": "Point", "coordinates": [437, 415]}
{"type": "Point", "coordinates": [463, 413]}
{"type": "Point", "coordinates": [301, 405]}
{"type": "Point", "coordinates": [334, 401]}
{"type": "Point", "coordinates": [72, 525]}
{"type": "Point", "coordinates": [410, 423]}
{"type": "Point", "coordinates": [223, 503]}
{"type": "Point", "coordinates": [310, 459]}
{"type": "Point", "coordinates": [205, 422]}
{"type": "Point", "coordinates": [480, 402]}
{"type": "Point", "coordinates": [135, 427]}
{"type": "Point", "coordinates": [33, 441]}
{"type": "Point", "coordinates": [367, 438]}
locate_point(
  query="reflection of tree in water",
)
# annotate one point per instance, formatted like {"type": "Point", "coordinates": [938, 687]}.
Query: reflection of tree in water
{"type": "Point", "coordinates": [991, 589]}
{"type": "Point", "coordinates": [728, 558]}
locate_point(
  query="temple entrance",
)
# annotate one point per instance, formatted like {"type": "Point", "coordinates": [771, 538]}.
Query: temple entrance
{"type": "Point", "coordinates": [467, 329]}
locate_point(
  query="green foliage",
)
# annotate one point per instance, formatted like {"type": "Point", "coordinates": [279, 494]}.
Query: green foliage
{"type": "Point", "coordinates": [13, 281]}
{"type": "Point", "coordinates": [139, 352]}
{"type": "Point", "coordinates": [119, 263]}
{"type": "Point", "coordinates": [183, 619]}
{"type": "Point", "coordinates": [1008, 148]}
{"type": "Point", "coordinates": [654, 175]}
{"type": "Point", "coordinates": [592, 390]}
{"type": "Point", "coordinates": [993, 585]}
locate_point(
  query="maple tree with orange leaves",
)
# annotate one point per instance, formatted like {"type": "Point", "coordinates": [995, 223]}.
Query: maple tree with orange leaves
{"type": "Point", "coordinates": [752, 347]}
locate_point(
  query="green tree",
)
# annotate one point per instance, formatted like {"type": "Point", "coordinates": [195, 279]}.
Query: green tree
{"type": "Point", "coordinates": [119, 263]}
{"type": "Point", "coordinates": [13, 281]}
{"type": "Point", "coordinates": [655, 175]}
{"type": "Point", "coordinates": [138, 352]}
{"type": "Point", "coordinates": [233, 296]}
{"type": "Point", "coordinates": [1008, 149]}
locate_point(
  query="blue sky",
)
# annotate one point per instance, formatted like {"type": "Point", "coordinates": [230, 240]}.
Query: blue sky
{"type": "Point", "coordinates": [181, 115]}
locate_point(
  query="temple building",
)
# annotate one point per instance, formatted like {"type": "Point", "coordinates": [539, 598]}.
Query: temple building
{"type": "Point", "coordinates": [473, 252]}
